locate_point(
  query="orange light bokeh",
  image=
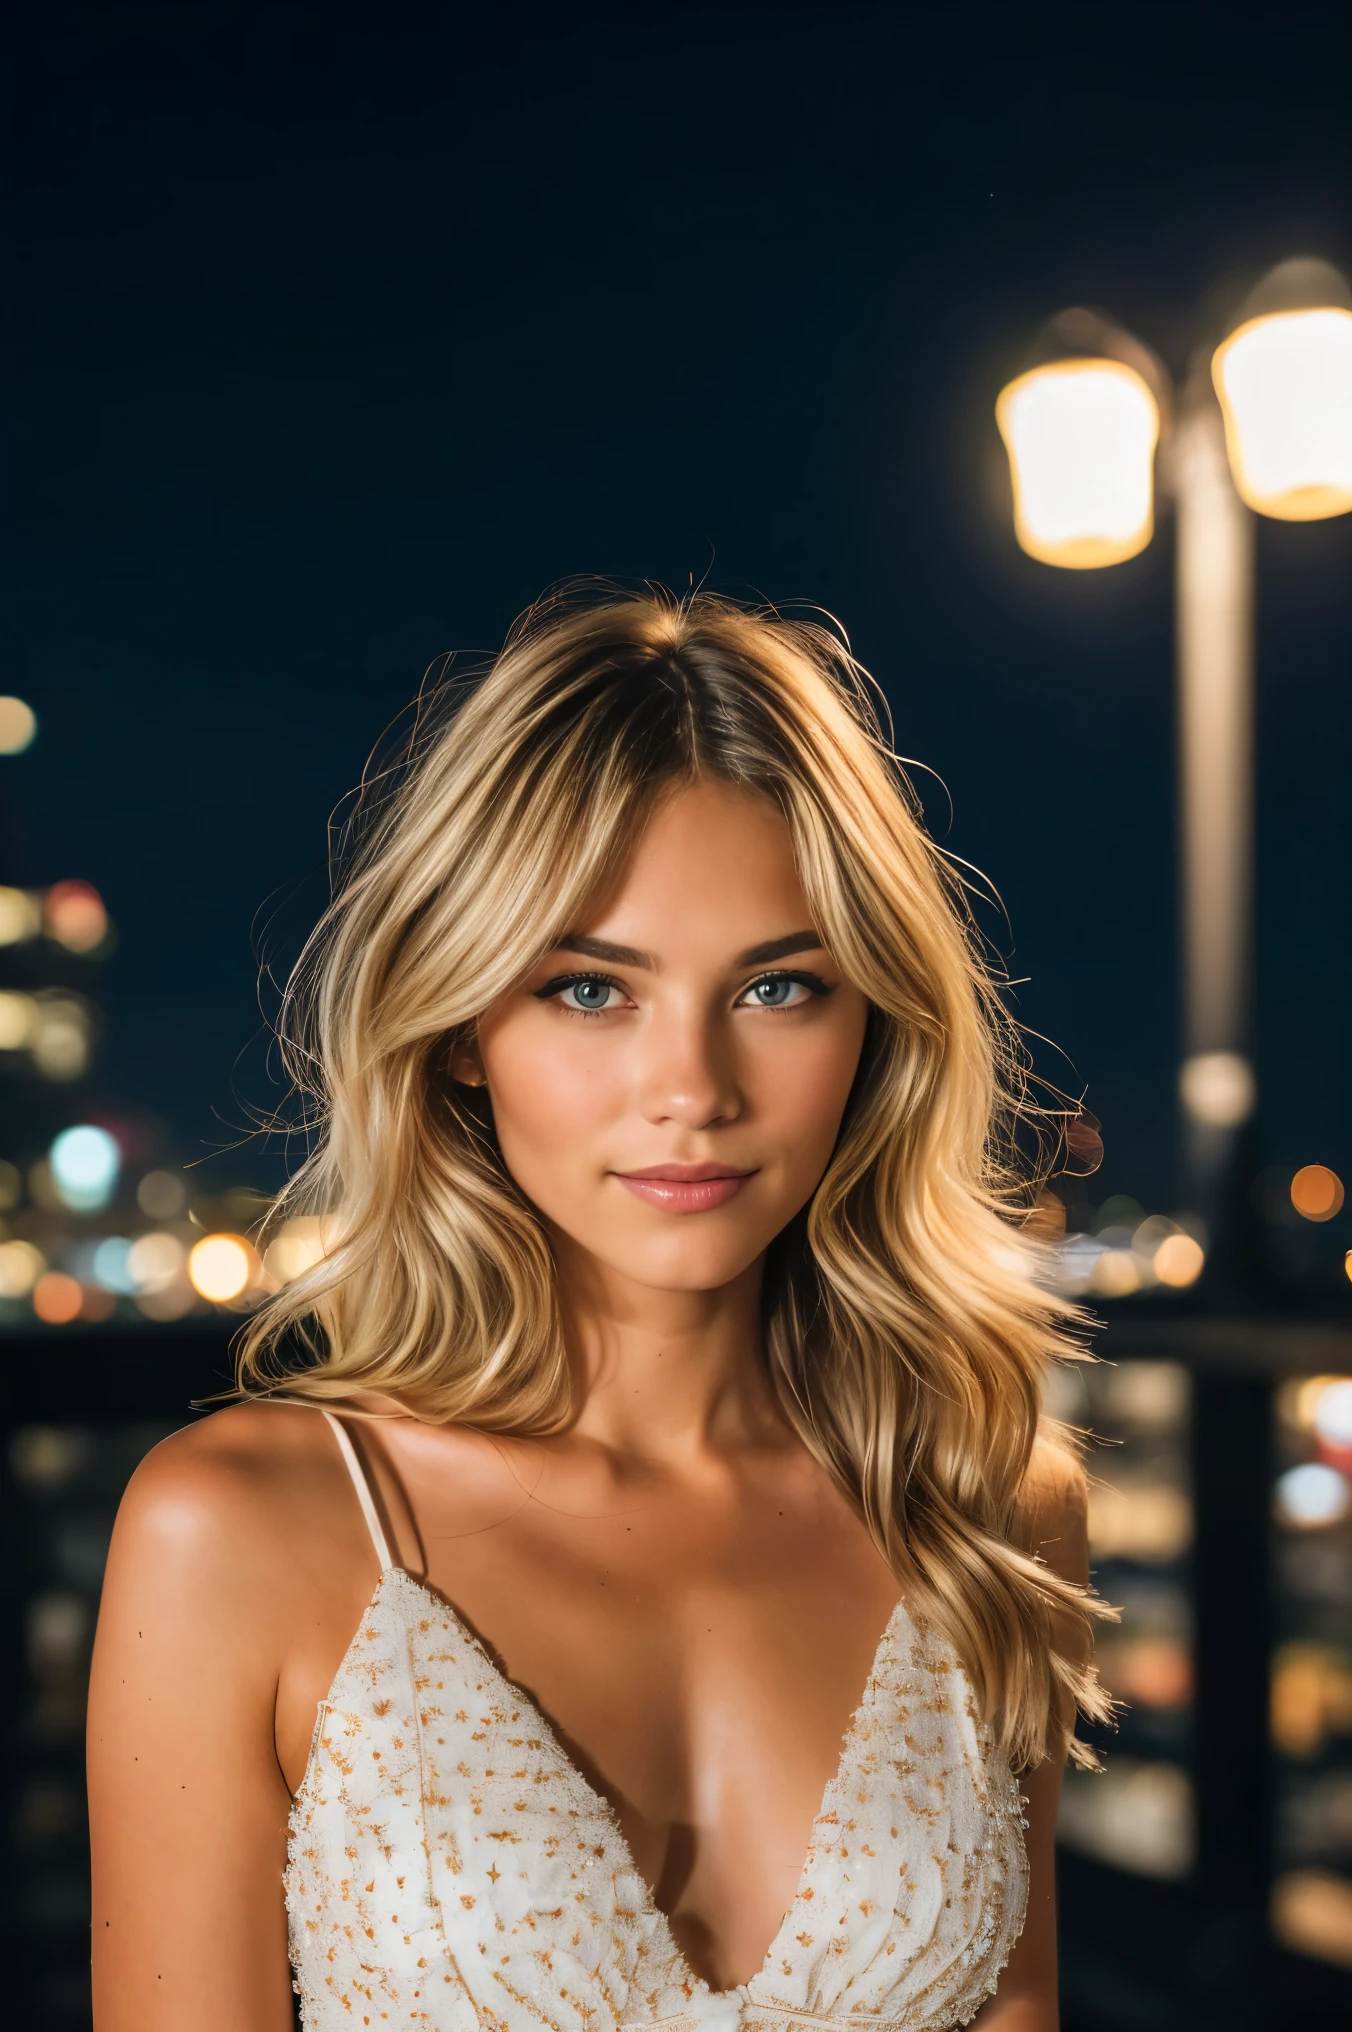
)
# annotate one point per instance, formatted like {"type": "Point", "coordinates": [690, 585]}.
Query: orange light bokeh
{"type": "Point", "coordinates": [1154, 1672]}
{"type": "Point", "coordinates": [75, 916]}
{"type": "Point", "coordinates": [1317, 1192]}
{"type": "Point", "coordinates": [57, 1299]}
{"type": "Point", "coordinates": [1179, 1261]}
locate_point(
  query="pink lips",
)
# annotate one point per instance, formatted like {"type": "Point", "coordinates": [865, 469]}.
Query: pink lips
{"type": "Point", "coordinates": [685, 1188]}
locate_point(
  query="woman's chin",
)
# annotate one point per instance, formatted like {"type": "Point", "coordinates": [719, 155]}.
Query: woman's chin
{"type": "Point", "coordinates": [684, 1265]}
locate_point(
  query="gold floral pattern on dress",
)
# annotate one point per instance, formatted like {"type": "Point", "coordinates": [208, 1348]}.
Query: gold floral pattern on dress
{"type": "Point", "coordinates": [449, 1867]}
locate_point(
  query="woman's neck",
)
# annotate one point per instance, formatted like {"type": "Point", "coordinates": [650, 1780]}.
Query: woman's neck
{"type": "Point", "coordinates": [665, 1375]}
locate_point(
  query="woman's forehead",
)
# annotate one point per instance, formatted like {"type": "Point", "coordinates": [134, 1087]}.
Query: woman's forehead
{"type": "Point", "coordinates": [710, 856]}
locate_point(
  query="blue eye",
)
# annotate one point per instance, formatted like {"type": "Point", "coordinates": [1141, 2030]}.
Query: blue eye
{"type": "Point", "coordinates": [591, 992]}
{"type": "Point", "coordinates": [599, 995]}
{"type": "Point", "coordinates": [784, 991]}
{"type": "Point", "coordinates": [580, 994]}
{"type": "Point", "coordinates": [776, 993]}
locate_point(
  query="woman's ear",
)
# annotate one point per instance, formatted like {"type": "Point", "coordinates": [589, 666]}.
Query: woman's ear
{"type": "Point", "coordinates": [467, 1067]}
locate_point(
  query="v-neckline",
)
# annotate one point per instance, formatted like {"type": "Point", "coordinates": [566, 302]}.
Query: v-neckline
{"type": "Point", "coordinates": [602, 1807]}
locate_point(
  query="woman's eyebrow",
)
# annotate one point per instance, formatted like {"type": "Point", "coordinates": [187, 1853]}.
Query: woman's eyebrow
{"type": "Point", "coordinates": [629, 956]}
{"type": "Point", "coordinates": [780, 948]}
{"type": "Point", "coordinates": [603, 949]}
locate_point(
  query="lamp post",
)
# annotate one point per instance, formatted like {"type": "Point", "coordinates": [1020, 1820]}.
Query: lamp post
{"type": "Point", "coordinates": [1263, 426]}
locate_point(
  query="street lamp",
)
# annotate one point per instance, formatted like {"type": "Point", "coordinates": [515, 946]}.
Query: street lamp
{"type": "Point", "coordinates": [1081, 426]}
{"type": "Point", "coordinates": [1081, 437]}
{"type": "Point", "coordinates": [1265, 425]}
{"type": "Point", "coordinates": [1284, 378]}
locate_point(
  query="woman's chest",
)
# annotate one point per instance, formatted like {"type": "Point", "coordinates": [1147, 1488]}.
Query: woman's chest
{"type": "Point", "coordinates": [695, 1658]}
{"type": "Point", "coordinates": [692, 1665]}
{"type": "Point", "coordinates": [710, 1721]}
{"type": "Point", "coordinates": [444, 1827]}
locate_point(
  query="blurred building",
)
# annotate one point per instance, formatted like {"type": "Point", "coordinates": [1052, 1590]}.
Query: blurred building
{"type": "Point", "coordinates": [99, 1222]}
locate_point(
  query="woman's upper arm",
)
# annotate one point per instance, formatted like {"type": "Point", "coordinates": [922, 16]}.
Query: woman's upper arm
{"type": "Point", "coordinates": [1054, 1525]}
{"type": "Point", "coordinates": [1054, 1512]}
{"type": "Point", "coordinates": [188, 1807]}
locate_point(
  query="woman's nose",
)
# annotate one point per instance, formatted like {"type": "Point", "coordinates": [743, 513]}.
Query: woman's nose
{"type": "Point", "coordinates": [688, 1074]}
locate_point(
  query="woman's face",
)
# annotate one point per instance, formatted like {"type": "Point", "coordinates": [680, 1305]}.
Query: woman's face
{"type": "Point", "coordinates": [668, 1084]}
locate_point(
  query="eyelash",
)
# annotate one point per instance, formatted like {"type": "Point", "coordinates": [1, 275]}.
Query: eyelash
{"type": "Point", "coordinates": [813, 982]}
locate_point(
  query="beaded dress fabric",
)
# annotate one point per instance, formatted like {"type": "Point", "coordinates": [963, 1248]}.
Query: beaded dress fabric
{"type": "Point", "coordinates": [450, 1868]}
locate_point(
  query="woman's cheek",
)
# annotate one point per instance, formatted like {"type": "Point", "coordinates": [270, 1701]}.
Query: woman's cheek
{"type": "Point", "coordinates": [804, 1093]}
{"type": "Point", "coordinates": [548, 1105]}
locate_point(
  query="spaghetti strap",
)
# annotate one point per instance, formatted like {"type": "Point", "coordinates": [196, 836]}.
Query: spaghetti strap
{"type": "Point", "coordinates": [363, 1489]}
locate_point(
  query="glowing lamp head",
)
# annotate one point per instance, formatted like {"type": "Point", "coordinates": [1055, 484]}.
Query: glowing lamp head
{"type": "Point", "coordinates": [1081, 437]}
{"type": "Point", "coordinates": [1284, 378]}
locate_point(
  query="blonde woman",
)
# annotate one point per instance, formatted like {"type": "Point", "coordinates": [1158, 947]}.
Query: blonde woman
{"type": "Point", "coordinates": [651, 1603]}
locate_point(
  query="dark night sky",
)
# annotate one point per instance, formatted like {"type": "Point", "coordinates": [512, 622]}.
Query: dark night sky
{"type": "Point", "coordinates": [340, 333]}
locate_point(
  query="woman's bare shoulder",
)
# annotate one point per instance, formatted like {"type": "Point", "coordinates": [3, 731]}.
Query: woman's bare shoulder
{"type": "Point", "coordinates": [1053, 1508]}
{"type": "Point", "coordinates": [236, 1485]}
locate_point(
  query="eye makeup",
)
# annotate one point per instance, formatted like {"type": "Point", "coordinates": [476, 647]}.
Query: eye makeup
{"type": "Point", "coordinates": [563, 984]}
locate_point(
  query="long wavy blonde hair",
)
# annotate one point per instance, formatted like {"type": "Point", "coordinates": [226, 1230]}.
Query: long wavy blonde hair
{"type": "Point", "coordinates": [905, 1333]}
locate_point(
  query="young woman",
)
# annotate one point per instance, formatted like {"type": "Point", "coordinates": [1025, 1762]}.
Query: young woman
{"type": "Point", "coordinates": [634, 1591]}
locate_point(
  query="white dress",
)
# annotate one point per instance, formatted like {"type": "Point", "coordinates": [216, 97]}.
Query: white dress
{"type": "Point", "coordinates": [450, 1868]}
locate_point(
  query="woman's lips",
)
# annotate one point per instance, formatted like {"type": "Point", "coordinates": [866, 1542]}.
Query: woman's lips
{"type": "Point", "coordinates": [685, 1188]}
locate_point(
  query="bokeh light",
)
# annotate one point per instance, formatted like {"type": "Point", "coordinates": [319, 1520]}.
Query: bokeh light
{"type": "Point", "coordinates": [18, 1020]}
{"type": "Point", "coordinates": [1285, 385]}
{"type": "Point", "coordinates": [20, 916]}
{"type": "Point", "coordinates": [85, 1162]}
{"type": "Point", "coordinates": [1333, 1413]}
{"type": "Point", "coordinates": [21, 1265]}
{"type": "Point", "coordinates": [1153, 1672]}
{"type": "Point", "coordinates": [170, 1303]}
{"type": "Point", "coordinates": [1218, 1088]}
{"type": "Point", "coordinates": [161, 1195]}
{"type": "Point", "coordinates": [62, 1040]}
{"type": "Point", "coordinates": [1178, 1261]}
{"type": "Point", "coordinates": [222, 1267]}
{"type": "Point", "coordinates": [156, 1261]}
{"type": "Point", "coordinates": [1311, 1696]}
{"type": "Point", "coordinates": [75, 917]}
{"type": "Point", "coordinates": [1312, 1496]}
{"type": "Point", "coordinates": [1146, 1396]}
{"type": "Point", "coordinates": [302, 1242]}
{"type": "Point", "coordinates": [1312, 1914]}
{"type": "Point", "coordinates": [111, 1265]}
{"type": "Point", "coordinates": [1151, 1522]}
{"type": "Point", "coordinates": [11, 1185]}
{"type": "Point", "coordinates": [1130, 1252]}
{"type": "Point", "coordinates": [1081, 438]}
{"type": "Point", "coordinates": [1116, 1274]}
{"type": "Point", "coordinates": [1317, 1192]}
{"type": "Point", "coordinates": [18, 725]}
{"type": "Point", "coordinates": [1298, 1400]}
{"type": "Point", "coordinates": [57, 1298]}
{"type": "Point", "coordinates": [1153, 1230]}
